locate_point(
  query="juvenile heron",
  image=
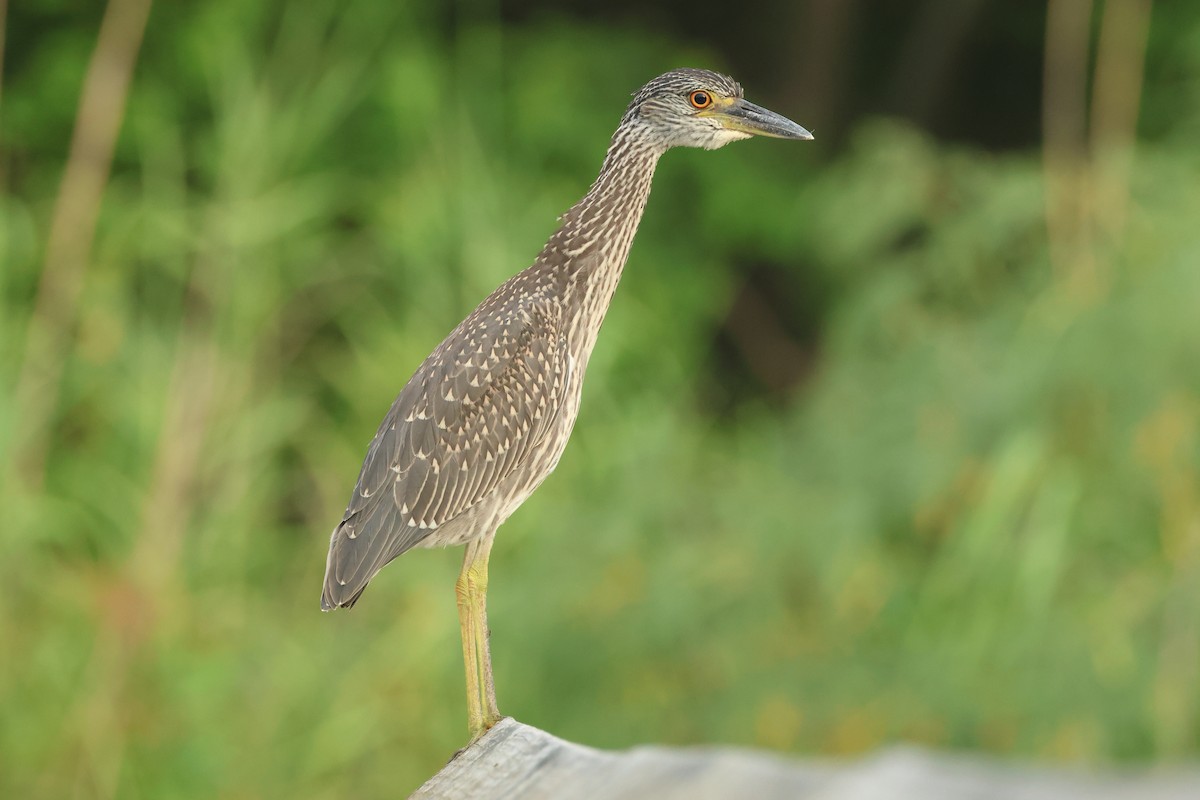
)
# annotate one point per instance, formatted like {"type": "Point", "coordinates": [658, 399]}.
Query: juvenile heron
{"type": "Point", "coordinates": [486, 416]}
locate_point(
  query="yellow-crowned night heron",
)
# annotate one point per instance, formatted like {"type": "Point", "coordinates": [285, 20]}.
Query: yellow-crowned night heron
{"type": "Point", "coordinates": [486, 416]}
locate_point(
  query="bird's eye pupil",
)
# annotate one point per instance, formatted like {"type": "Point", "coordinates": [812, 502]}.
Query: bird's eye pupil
{"type": "Point", "coordinates": [700, 99]}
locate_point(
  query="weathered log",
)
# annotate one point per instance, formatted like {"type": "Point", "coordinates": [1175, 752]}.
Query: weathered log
{"type": "Point", "coordinates": [517, 761]}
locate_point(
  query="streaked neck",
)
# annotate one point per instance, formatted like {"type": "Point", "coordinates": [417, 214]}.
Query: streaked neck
{"type": "Point", "coordinates": [597, 232]}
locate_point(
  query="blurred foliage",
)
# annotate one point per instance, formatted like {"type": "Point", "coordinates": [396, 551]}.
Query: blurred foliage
{"type": "Point", "coordinates": [961, 508]}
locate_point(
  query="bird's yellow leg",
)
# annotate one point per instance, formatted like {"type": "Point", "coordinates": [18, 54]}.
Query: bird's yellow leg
{"type": "Point", "coordinates": [483, 637]}
{"type": "Point", "coordinates": [470, 657]}
{"type": "Point", "coordinates": [471, 589]}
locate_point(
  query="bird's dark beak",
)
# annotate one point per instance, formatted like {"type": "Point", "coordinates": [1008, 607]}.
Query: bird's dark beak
{"type": "Point", "coordinates": [744, 116]}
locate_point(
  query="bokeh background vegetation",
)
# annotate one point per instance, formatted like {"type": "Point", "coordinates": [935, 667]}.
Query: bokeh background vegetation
{"type": "Point", "coordinates": [891, 436]}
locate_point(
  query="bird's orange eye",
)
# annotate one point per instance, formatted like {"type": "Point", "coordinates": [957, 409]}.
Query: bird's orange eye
{"type": "Point", "coordinates": [700, 99]}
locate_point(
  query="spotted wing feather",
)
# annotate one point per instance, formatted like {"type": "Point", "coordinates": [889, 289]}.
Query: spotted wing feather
{"type": "Point", "coordinates": [469, 417]}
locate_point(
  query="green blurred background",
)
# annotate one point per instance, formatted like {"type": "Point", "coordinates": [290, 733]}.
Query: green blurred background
{"type": "Point", "coordinates": [889, 437]}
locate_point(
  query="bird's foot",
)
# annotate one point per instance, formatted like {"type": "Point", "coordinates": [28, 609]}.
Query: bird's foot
{"type": "Point", "coordinates": [477, 734]}
{"type": "Point", "coordinates": [485, 725]}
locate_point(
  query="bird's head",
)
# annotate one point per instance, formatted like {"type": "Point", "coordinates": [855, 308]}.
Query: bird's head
{"type": "Point", "coordinates": [699, 108]}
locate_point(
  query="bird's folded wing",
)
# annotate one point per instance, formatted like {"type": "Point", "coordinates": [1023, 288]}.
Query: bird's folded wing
{"type": "Point", "coordinates": [470, 416]}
